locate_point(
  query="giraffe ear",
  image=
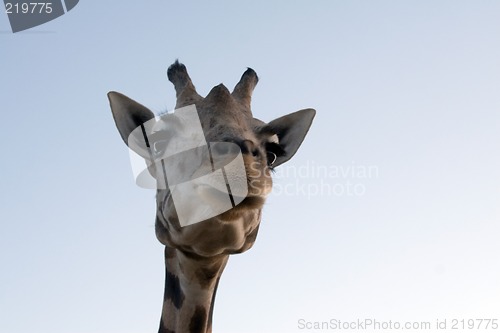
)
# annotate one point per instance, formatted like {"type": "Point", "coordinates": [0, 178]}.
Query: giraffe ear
{"type": "Point", "coordinates": [128, 115]}
{"type": "Point", "coordinates": [291, 131]}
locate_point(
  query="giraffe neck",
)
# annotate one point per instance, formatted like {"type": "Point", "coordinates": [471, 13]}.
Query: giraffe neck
{"type": "Point", "coordinates": [190, 285]}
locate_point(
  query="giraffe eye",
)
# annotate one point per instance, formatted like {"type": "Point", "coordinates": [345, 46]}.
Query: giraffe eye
{"type": "Point", "coordinates": [271, 158]}
{"type": "Point", "coordinates": [273, 150]}
{"type": "Point", "coordinates": [159, 147]}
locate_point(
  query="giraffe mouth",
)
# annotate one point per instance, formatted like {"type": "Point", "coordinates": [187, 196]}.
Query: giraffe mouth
{"type": "Point", "coordinates": [217, 196]}
{"type": "Point", "coordinates": [251, 202]}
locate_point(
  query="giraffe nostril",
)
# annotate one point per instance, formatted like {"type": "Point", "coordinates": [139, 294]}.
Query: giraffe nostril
{"type": "Point", "coordinates": [223, 153]}
{"type": "Point", "coordinates": [221, 148]}
{"type": "Point", "coordinates": [224, 148]}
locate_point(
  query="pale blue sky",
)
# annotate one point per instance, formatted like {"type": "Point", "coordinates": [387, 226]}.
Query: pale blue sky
{"type": "Point", "coordinates": [409, 88]}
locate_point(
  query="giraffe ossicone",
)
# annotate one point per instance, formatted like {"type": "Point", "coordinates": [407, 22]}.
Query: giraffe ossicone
{"type": "Point", "coordinates": [210, 163]}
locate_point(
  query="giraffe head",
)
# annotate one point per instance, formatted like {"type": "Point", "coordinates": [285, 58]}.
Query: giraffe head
{"type": "Point", "coordinates": [229, 126]}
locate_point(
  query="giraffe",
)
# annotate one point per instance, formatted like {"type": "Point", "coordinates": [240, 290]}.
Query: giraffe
{"type": "Point", "coordinates": [196, 255]}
